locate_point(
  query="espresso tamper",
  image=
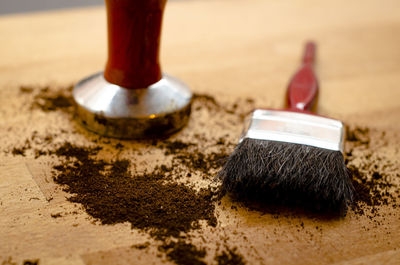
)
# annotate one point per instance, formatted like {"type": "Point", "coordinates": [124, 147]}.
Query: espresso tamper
{"type": "Point", "coordinates": [132, 98]}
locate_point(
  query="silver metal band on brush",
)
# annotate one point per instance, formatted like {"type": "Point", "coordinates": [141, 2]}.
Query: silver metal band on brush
{"type": "Point", "coordinates": [294, 127]}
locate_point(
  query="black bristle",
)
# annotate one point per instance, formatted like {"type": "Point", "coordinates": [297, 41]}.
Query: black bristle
{"type": "Point", "coordinates": [289, 174]}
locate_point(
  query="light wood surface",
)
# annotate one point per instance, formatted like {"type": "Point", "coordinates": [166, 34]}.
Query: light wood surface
{"type": "Point", "coordinates": [230, 49]}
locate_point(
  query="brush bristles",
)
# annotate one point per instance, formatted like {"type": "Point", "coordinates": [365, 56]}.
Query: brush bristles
{"type": "Point", "coordinates": [290, 174]}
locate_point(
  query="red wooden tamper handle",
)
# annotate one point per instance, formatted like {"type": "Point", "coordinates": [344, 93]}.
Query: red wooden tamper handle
{"type": "Point", "coordinates": [303, 87]}
{"type": "Point", "coordinates": [134, 31]}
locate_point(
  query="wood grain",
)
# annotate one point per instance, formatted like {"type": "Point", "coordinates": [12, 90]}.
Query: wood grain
{"type": "Point", "coordinates": [228, 48]}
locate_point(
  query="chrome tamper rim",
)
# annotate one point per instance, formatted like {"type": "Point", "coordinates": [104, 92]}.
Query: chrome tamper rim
{"type": "Point", "coordinates": [114, 111]}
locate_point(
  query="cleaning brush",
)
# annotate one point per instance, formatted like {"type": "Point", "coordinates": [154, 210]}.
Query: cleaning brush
{"type": "Point", "coordinates": [291, 157]}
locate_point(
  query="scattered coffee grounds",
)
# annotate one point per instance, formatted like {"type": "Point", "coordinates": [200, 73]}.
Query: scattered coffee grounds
{"type": "Point", "coordinates": [358, 135]}
{"type": "Point", "coordinates": [141, 246]}
{"type": "Point", "coordinates": [26, 89]}
{"type": "Point", "coordinates": [69, 151]}
{"type": "Point", "coordinates": [109, 193]}
{"type": "Point", "coordinates": [21, 150]}
{"type": "Point", "coordinates": [211, 104]}
{"type": "Point", "coordinates": [56, 215]}
{"type": "Point", "coordinates": [370, 175]}
{"type": "Point", "coordinates": [197, 160]}
{"type": "Point", "coordinates": [207, 101]}
{"type": "Point", "coordinates": [18, 151]}
{"type": "Point", "coordinates": [112, 192]}
{"type": "Point", "coordinates": [175, 147]}
{"type": "Point", "coordinates": [49, 100]}
{"type": "Point", "coordinates": [192, 157]}
{"type": "Point", "coordinates": [149, 201]}
{"type": "Point", "coordinates": [230, 257]}
{"type": "Point", "coordinates": [31, 262]}
{"type": "Point", "coordinates": [10, 261]}
{"type": "Point", "coordinates": [183, 253]}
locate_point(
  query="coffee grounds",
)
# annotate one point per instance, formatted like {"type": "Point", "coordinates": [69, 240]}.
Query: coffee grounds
{"type": "Point", "coordinates": [230, 257]}
{"type": "Point", "coordinates": [31, 262]}
{"type": "Point", "coordinates": [18, 151]}
{"type": "Point", "coordinates": [369, 191]}
{"type": "Point", "coordinates": [210, 103]}
{"type": "Point", "coordinates": [207, 101]}
{"type": "Point", "coordinates": [183, 253]}
{"type": "Point", "coordinates": [26, 89]}
{"type": "Point", "coordinates": [194, 159]}
{"type": "Point", "coordinates": [371, 180]}
{"type": "Point", "coordinates": [109, 193]}
{"type": "Point", "coordinates": [141, 246]}
{"type": "Point", "coordinates": [21, 150]}
{"type": "Point", "coordinates": [55, 215]}
{"type": "Point", "coordinates": [51, 100]}
{"type": "Point", "coordinates": [175, 147]}
{"type": "Point", "coordinates": [202, 162]}
{"type": "Point", "coordinates": [366, 178]}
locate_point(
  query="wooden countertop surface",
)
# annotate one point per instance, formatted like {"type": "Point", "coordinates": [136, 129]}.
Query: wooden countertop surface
{"type": "Point", "coordinates": [228, 49]}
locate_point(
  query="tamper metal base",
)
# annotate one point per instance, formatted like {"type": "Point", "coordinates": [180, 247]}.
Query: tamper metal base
{"type": "Point", "coordinates": [110, 110]}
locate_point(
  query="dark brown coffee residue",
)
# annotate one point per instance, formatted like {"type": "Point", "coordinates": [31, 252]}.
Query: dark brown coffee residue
{"type": "Point", "coordinates": [112, 194]}
{"type": "Point", "coordinates": [371, 181]}
{"type": "Point", "coordinates": [111, 191]}
{"type": "Point", "coordinates": [31, 262]}
{"type": "Point", "coordinates": [184, 253]}
{"type": "Point", "coordinates": [51, 100]}
{"type": "Point", "coordinates": [230, 257]}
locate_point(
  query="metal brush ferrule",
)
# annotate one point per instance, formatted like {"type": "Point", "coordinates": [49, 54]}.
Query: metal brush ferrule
{"type": "Point", "coordinates": [294, 127]}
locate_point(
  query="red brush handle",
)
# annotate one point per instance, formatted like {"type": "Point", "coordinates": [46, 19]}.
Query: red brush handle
{"type": "Point", "coordinates": [303, 88]}
{"type": "Point", "coordinates": [134, 30]}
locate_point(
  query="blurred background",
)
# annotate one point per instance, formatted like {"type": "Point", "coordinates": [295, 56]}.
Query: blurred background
{"type": "Point", "coordinates": [20, 6]}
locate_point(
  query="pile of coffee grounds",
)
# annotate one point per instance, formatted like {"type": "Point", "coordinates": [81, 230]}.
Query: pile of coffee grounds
{"type": "Point", "coordinates": [230, 257]}
{"type": "Point", "coordinates": [184, 253]}
{"type": "Point", "coordinates": [150, 201]}
{"type": "Point", "coordinates": [371, 176]}
{"type": "Point", "coordinates": [111, 194]}
{"type": "Point", "coordinates": [51, 100]}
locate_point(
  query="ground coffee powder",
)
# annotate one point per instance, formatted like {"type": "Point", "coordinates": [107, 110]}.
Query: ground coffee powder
{"type": "Point", "coordinates": [51, 100]}
{"type": "Point", "coordinates": [184, 253]}
{"type": "Point", "coordinates": [371, 174]}
{"type": "Point", "coordinates": [230, 257]}
{"type": "Point", "coordinates": [110, 193]}
{"type": "Point", "coordinates": [95, 182]}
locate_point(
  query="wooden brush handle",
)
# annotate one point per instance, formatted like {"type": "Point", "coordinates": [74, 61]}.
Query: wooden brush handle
{"type": "Point", "coordinates": [134, 30]}
{"type": "Point", "coordinates": [303, 88]}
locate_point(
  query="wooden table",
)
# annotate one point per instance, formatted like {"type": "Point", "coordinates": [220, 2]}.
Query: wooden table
{"type": "Point", "coordinates": [228, 49]}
